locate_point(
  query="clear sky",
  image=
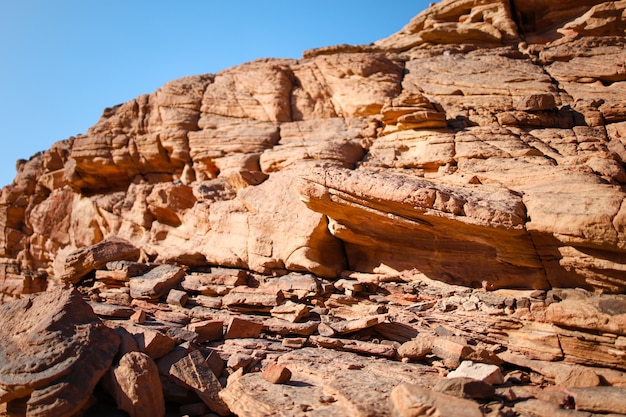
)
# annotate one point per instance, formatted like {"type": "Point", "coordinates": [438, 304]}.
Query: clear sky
{"type": "Point", "coordinates": [63, 61]}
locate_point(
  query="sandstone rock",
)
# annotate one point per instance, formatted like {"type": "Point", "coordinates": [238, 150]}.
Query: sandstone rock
{"type": "Point", "coordinates": [156, 283]}
{"type": "Point", "coordinates": [151, 342]}
{"type": "Point", "coordinates": [276, 374]}
{"type": "Point", "coordinates": [482, 145]}
{"type": "Point", "coordinates": [490, 374]}
{"type": "Point", "coordinates": [55, 350]}
{"type": "Point", "coordinates": [193, 372]}
{"type": "Point", "coordinates": [366, 348]}
{"type": "Point", "coordinates": [600, 399]}
{"type": "Point", "coordinates": [82, 261]}
{"type": "Point", "coordinates": [177, 298]}
{"type": "Point", "coordinates": [538, 408]}
{"type": "Point", "coordinates": [290, 311]}
{"type": "Point", "coordinates": [207, 330]}
{"type": "Point", "coordinates": [137, 387]}
{"type": "Point", "coordinates": [172, 317]}
{"type": "Point", "coordinates": [241, 328]}
{"type": "Point", "coordinates": [284, 328]}
{"type": "Point", "coordinates": [416, 349]}
{"type": "Point", "coordinates": [453, 351]}
{"type": "Point", "coordinates": [239, 361]}
{"type": "Point", "coordinates": [138, 317]}
{"type": "Point", "coordinates": [411, 400]}
{"type": "Point", "coordinates": [466, 388]}
{"type": "Point", "coordinates": [110, 310]}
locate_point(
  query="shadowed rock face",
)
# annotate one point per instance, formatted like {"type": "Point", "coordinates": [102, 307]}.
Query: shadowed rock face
{"type": "Point", "coordinates": [482, 144]}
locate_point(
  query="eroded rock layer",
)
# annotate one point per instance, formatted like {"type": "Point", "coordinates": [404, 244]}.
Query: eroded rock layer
{"type": "Point", "coordinates": [483, 144]}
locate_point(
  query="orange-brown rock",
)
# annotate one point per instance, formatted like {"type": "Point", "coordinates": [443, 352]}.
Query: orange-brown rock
{"type": "Point", "coordinates": [483, 144]}
{"type": "Point", "coordinates": [54, 350]}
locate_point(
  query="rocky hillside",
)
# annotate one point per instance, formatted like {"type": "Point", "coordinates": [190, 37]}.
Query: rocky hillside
{"type": "Point", "coordinates": [450, 197]}
{"type": "Point", "coordinates": [483, 145]}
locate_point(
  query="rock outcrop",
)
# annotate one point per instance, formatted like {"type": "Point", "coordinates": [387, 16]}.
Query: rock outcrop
{"type": "Point", "coordinates": [335, 235]}
{"type": "Point", "coordinates": [504, 120]}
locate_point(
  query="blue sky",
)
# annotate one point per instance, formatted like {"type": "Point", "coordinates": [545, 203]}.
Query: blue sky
{"type": "Point", "coordinates": [63, 61]}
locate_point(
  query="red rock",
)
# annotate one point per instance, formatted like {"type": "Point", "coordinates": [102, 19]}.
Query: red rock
{"type": "Point", "coordinates": [411, 400]}
{"type": "Point", "coordinates": [177, 298]}
{"type": "Point", "coordinates": [490, 374]}
{"type": "Point", "coordinates": [207, 330]}
{"type": "Point", "coordinates": [153, 343]}
{"type": "Point", "coordinates": [55, 350]}
{"type": "Point", "coordinates": [156, 283]}
{"type": "Point", "coordinates": [82, 261]}
{"type": "Point", "coordinates": [137, 387]}
{"type": "Point", "coordinates": [138, 317]}
{"type": "Point", "coordinates": [240, 329]}
{"type": "Point", "coordinates": [276, 374]}
{"type": "Point", "coordinates": [194, 373]}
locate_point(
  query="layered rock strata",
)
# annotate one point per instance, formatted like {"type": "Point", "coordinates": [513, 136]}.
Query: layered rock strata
{"type": "Point", "coordinates": [301, 215]}
{"type": "Point", "coordinates": [511, 113]}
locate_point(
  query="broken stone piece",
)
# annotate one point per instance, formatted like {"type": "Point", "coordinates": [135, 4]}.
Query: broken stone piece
{"type": "Point", "coordinates": [356, 346]}
{"type": "Point", "coordinates": [409, 400]}
{"type": "Point", "coordinates": [416, 349]}
{"type": "Point", "coordinates": [193, 372]}
{"type": "Point", "coordinates": [490, 374]}
{"type": "Point", "coordinates": [156, 283]}
{"type": "Point", "coordinates": [276, 374]}
{"type": "Point", "coordinates": [177, 298]}
{"type": "Point", "coordinates": [260, 299]}
{"type": "Point", "coordinates": [241, 328]}
{"type": "Point", "coordinates": [137, 387]}
{"type": "Point", "coordinates": [89, 258]}
{"type": "Point", "coordinates": [54, 352]}
{"type": "Point", "coordinates": [207, 330]}
{"type": "Point", "coordinates": [465, 388]}
{"type": "Point", "coordinates": [290, 311]}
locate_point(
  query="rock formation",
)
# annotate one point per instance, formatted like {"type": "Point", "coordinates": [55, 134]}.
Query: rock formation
{"type": "Point", "coordinates": [451, 195]}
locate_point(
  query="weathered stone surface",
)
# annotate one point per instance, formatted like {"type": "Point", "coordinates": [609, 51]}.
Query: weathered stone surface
{"type": "Point", "coordinates": [54, 351]}
{"type": "Point", "coordinates": [137, 387]}
{"type": "Point", "coordinates": [466, 388]}
{"type": "Point", "coordinates": [365, 348]}
{"type": "Point", "coordinates": [482, 145]}
{"type": "Point", "coordinates": [411, 401]}
{"type": "Point", "coordinates": [84, 260]}
{"type": "Point", "coordinates": [207, 330]}
{"type": "Point", "coordinates": [490, 374]}
{"type": "Point", "coordinates": [194, 373]}
{"type": "Point", "coordinates": [276, 374]}
{"type": "Point", "coordinates": [600, 399]}
{"type": "Point", "coordinates": [156, 283]}
{"type": "Point", "coordinates": [416, 349]}
{"type": "Point", "coordinates": [241, 328]}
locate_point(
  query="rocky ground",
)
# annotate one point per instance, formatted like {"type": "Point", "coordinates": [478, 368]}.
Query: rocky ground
{"type": "Point", "coordinates": [166, 339]}
{"type": "Point", "coordinates": [433, 224]}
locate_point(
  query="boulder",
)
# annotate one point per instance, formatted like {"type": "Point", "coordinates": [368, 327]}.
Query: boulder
{"type": "Point", "coordinates": [54, 352]}
{"type": "Point", "coordinates": [156, 283]}
{"type": "Point", "coordinates": [137, 387]}
{"type": "Point", "coordinates": [89, 258]}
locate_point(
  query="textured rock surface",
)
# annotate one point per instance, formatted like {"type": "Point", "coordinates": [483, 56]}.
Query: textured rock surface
{"type": "Point", "coordinates": [482, 144]}
{"type": "Point", "coordinates": [368, 217]}
{"type": "Point", "coordinates": [54, 350]}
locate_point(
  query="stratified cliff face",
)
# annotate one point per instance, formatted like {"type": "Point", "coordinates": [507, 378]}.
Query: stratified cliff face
{"type": "Point", "coordinates": [483, 145]}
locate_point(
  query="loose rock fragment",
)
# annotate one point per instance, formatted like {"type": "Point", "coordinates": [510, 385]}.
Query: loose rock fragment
{"type": "Point", "coordinates": [137, 387]}
{"type": "Point", "coordinates": [194, 373]}
{"type": "Point", "coordinates": [276, 374]}
{"type": "Point", "coordinates": [490, 374]}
